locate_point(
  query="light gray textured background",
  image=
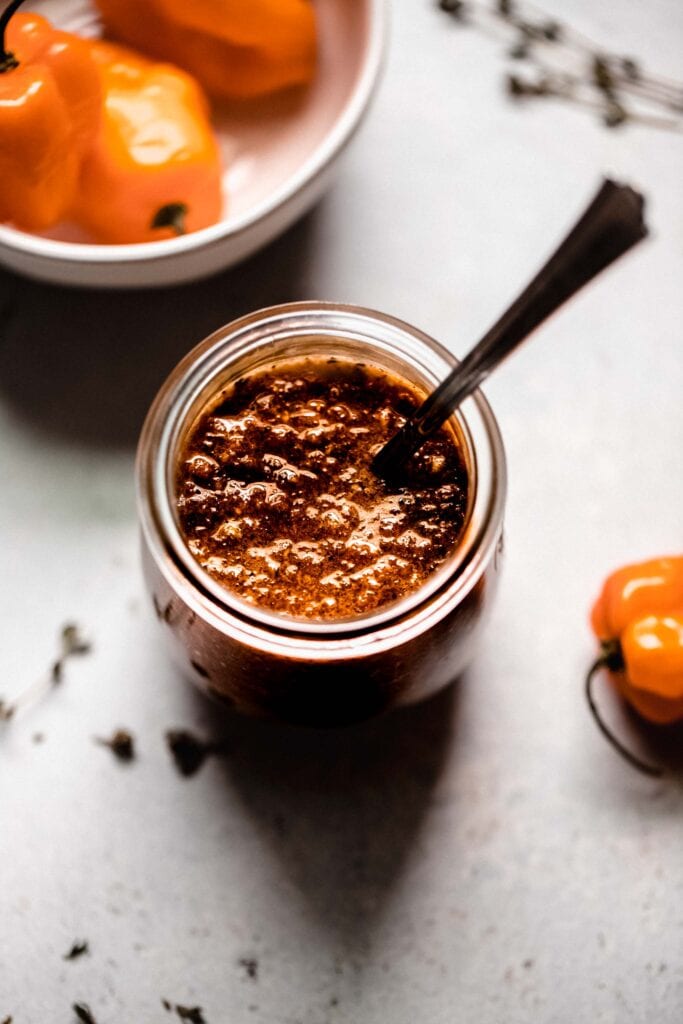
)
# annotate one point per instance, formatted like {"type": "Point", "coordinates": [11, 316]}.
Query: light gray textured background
{"type": "Point", "coordinates": [483, 858]}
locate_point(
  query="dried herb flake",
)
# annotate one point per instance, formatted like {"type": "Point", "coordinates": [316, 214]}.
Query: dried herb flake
{"type": "Point", "coordinates": [193, 1014]}
{"type": "Point", "coordinates": [6, 712]}
{"type": "Point", "coordinates": [73, 641]}
{"type": "Point", "coordinates": [250, 965]}
{"type": "Point", "coordinates": [552, 31]}
{"type": "Point", "coordinates": [455, 7]}
{"type": "Point", "coordinates": [189, 751]}
{"type": "Point", "coordinates": [121, 743]}
{"type": "Point", "coordinates": [78, 949]}
{"type": "Point", "coordinates": [84, 1014]}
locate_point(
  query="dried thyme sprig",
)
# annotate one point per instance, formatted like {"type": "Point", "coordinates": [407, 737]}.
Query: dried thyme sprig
{"type": "Point", "coordinates": [561, 63]}
{"type": "Point", "coordinates": [71, 644]}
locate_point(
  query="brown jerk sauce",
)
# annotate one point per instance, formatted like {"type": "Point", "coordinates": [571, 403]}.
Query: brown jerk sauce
{"type": "Point", "coordinates": [276, 499]}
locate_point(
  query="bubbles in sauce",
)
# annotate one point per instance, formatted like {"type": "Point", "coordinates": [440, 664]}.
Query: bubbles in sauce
{"type": "Point", "coordinates": [277, 501]}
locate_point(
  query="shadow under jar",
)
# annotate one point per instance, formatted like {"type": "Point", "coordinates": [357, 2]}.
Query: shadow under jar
{"type": "Point", "coordinates": [307, 670]}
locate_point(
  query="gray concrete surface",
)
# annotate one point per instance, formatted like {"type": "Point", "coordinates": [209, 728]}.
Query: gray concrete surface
{"type": "Point", "coordinates": [483, 858]}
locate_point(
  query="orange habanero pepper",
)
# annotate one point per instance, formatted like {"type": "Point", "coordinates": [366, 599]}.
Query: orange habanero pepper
{"type": "Point", "coordinates": [247, 24]}
{"type": "Point", "coordinates": [236, 49]}
{"type": "Point", "coordinates": [154, 168]}
{"type": "Point", "coordinates": [50, 102]}
{"type": "Point", "coordinates": [638, 619]}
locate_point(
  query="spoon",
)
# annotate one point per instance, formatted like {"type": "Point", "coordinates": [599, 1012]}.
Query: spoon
{"type": "Point", "coordinates": [609, 226]}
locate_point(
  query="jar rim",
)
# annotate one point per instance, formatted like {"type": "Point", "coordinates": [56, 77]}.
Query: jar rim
{"type": "Point", "coordinates": [196, 375]}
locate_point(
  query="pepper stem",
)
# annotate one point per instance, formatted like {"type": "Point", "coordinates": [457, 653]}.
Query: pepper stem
{"type": "Point", "coordinates": [7, 59]}
{"type": "Point", "coordinates": [611, 658]}
{"type": "Point", "coordinates": [172, 215]}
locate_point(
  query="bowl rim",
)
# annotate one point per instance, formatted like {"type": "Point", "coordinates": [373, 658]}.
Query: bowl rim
{"type": "Point", "coordinates": [341, 131]}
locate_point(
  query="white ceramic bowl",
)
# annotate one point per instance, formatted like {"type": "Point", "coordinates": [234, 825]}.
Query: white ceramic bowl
{"type": "Point", "coordinates": [279, 152]}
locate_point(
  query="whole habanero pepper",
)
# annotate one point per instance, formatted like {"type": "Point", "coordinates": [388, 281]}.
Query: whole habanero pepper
{"type": "Point", "coordinates": [237, 49]}
{"type": "Point", "coordinates": [50, 103]}
{"type": "Point", "coordinates": [154, 167]}
{"type": "Point", "coordinates": [638, 619]}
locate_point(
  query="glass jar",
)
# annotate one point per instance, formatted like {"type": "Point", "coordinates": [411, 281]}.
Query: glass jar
{"type": "Point", "coordinates": [304, 671]}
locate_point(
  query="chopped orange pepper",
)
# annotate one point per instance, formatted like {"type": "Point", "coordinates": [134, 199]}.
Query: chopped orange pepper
{"type": "Point", "coordinates": [50, 101]}
{"type": "Point", "coordinates": [235, 49]}
{"type": "Point", "coordinates": [154, 168]}
{"type": "Point", "coordinates": [639, 620]}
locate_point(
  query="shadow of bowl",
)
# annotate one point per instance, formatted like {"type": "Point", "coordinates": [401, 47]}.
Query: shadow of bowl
{"type": "Point", "coordinates": [83, 365]}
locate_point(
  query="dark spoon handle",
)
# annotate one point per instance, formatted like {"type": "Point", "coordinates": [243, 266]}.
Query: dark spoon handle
{"type": "Point", "coordinates": [610, 225]}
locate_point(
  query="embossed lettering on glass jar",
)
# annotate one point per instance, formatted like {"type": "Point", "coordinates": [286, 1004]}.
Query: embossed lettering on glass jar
{"type": "Point", "coordinates": [303, 670]}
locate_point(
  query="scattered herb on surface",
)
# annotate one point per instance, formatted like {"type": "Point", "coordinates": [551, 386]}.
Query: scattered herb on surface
{"type": "Point", "coordinates": [121, 743]}
{"type": "Point", "coordinates": [71, 644]}
{"type": "Point", "coordinates": [189, 751]}
{"type": "Point", "coordinates": [84, 1014]}
{"type": "Point", "coordinates": [38, 737]}
{"type": "Point", "coordinates": [193, 1014]}
{"type": "Point", "coordinates": [564, 64]}
{"type": "Point", "coordinates": [78, 949]}
{"type": "Point", "coordinates": [250, 965]}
